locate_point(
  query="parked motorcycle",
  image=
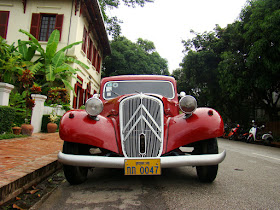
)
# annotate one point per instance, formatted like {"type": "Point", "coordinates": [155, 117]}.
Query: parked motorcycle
{"type": "Point", "coordinates": [234, 134]}
{"type": "Point", "coordinates": [256, 134]}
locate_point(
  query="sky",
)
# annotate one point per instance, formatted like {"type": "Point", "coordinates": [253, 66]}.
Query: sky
{"type": "Point", "coordinates": [167, 23]}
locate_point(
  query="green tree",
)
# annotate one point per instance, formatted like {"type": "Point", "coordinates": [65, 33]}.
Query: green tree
{"type": "Point", "coordinates": [237, 68]}
{"type": "Point", "coordinates": [261, 22]}
{"type": "Point", "coordinates": [249, 67]}
{"type": "Point", "coordinates": [134, 58]}
{"type": "Point", "coordinates": [182, 82]}
{"type": "Point", "coordinates": [200, 66]}
{"type": "Point", "coordinates": [113, 23]}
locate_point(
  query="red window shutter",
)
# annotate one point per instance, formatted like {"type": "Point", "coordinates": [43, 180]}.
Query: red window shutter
{"type": "Point", "coordinates": [78, 90]}
{"type": "Point", "coordinates": [98, 63]}
{"type": "Point", "coordinates": [4, 18]}
{"type": "Point", "coordinates": [84, 45]}
{"type": "Point", "coordinates": [94, 57]}
{"type": "Point", "coordinates": [81, 100]}
{"type": "Point", "coordinates": [59, 23]}
{"type": "Point", "coordinates": [75, 97]}
{"type": "Point", "coordinates": [89, 50]}
{"type": "Point", "coordinates": [35, 25]}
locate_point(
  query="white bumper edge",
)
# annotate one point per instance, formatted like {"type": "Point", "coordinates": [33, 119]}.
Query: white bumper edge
{"type": "Point", "coordinates": [118, 162]}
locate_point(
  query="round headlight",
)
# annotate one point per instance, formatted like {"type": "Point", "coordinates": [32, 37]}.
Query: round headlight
{"type": "Point", "coordinates": [188, 104]}
{"type": "Point", "coordinates": [94, 106]}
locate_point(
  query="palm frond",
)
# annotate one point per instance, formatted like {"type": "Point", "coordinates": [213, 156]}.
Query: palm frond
{"type": "Point", "coordinates": [73, 60]}
{"type": "Point", "coordinates": [70, 46]}
{"type": "Point", "coordinates": [49, 73]}
{"type": "Point", "coordinates": [58, 59]}
{"type": "Point", "coordinates": [34, 40]}
{"type": "Point", "coordinates": [35, 67]}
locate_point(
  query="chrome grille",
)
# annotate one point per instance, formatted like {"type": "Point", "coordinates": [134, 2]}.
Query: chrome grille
{"type": "Point", "coordinates": [141, 126]}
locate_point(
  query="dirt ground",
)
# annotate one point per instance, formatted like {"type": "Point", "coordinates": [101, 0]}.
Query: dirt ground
{"type": "Point", "coordinates": [35, 194]}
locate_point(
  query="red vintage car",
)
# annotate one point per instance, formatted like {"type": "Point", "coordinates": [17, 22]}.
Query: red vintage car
{"type": "Point", "coordinates": [138, 123]}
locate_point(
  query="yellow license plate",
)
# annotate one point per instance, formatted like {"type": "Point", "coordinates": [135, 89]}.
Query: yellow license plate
{"type": "Point", "coordinates": [142, 167]}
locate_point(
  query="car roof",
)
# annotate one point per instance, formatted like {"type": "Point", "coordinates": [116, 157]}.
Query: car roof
{"type": "Point", "coordinates": [138, 77]}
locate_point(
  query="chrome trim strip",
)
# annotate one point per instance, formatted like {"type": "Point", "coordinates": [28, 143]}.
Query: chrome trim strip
{"type": "Point", "coordinates": [118, 162]}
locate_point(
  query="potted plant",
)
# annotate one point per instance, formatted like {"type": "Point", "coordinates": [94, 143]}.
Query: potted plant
{"type": "Point", "coordinates": [16, 129]}
{"type": "Point", "coordinates": [52, 126]}
{"type": "Point", "coordinates": [57, 97]}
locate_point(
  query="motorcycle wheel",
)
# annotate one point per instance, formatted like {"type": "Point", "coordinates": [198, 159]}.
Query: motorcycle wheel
{"type": "Point", "coordinates": [249, 139]}
{"type": "Point", "coordinates": [268, 141]}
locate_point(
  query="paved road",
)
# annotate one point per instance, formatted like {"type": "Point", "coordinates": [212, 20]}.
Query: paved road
{"type": "Point", "coordinates": [249, 178]}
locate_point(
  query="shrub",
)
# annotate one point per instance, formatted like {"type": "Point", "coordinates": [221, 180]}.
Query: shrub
{"type": "Point", "coordinates": [11, 136]}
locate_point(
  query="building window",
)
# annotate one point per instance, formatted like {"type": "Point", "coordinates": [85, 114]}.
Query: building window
{"type": "Point", "coordinates": [4, 18]}
{"type": "Point", "coordinates": [47, 26]}
{"type": "Point", "coordinates": [90, 50]}
{"type": "Point", "coordinates": [42, 25]}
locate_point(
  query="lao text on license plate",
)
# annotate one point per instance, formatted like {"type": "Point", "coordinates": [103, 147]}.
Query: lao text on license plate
{"type": "Point", "coordinates": [142, 167]}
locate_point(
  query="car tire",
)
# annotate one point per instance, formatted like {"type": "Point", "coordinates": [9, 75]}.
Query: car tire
{"type": "Point", "coordinates": [74, 174]}
{"type": "Point", "coordinates": [207, 173]}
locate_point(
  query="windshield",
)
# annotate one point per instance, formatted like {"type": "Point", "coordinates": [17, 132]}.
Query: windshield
{"type": "Point", "coordinates": [117, 88]}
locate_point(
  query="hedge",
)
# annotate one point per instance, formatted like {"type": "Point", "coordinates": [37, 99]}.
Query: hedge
{"type": "Point", "coordinates": [7, 116]}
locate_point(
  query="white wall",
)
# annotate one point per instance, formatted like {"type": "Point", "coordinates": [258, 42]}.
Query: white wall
{"type": "Point", "coordinates": [72, 31]}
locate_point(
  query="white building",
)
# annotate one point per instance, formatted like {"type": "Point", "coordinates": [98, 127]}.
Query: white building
{"type": "Point", "coordinates": [77, 20]}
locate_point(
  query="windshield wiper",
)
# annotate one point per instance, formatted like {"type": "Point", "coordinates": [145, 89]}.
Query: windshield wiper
{"type": "Point", "coordinates": [115, 93]}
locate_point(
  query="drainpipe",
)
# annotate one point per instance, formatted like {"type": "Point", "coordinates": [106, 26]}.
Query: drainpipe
{"type": "Point", "coordinates": [70, 25]}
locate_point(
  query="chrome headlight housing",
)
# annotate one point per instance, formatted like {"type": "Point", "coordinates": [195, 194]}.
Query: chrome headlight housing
{"type": "Point", "coordinates": [94, 106]}
{"type": "Point", "coordinates": [188, 104]}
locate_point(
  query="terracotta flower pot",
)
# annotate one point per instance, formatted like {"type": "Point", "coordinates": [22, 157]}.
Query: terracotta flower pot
{"type": "Point", "coordinates": [51, 127]}
{"type": "Point", "coordinates": [16, 130]}
{"type": "Point", "coordinates": [27, 129]}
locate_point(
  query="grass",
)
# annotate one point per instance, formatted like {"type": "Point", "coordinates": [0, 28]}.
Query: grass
{"type": "Point", "coordinates": [11, 136]}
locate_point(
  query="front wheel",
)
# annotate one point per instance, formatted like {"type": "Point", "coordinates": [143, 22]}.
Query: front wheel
{"type": "Point", "coordinates": [249, 139]}
{"type": "Point", "coordinates": [207, 173]}
{"type": "Point", "coordinates": [75, 174]}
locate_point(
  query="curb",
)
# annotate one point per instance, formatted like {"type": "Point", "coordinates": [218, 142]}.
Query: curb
{"type": "Point", "coordinates": [276, 144]}
{"type": "Point", "coordinates": [20, 185]}
{"type": "Point", "coordinates": [42, 200]}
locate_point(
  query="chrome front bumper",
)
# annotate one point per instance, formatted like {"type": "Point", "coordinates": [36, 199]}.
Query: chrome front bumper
{"type": "Point", "coordinates": [118, 162]}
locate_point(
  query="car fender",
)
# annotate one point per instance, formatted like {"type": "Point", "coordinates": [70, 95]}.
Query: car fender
{"type": "Point", "coordinates": [77, 126]}
{"type": "Point", "coordinates": [204, 123]}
